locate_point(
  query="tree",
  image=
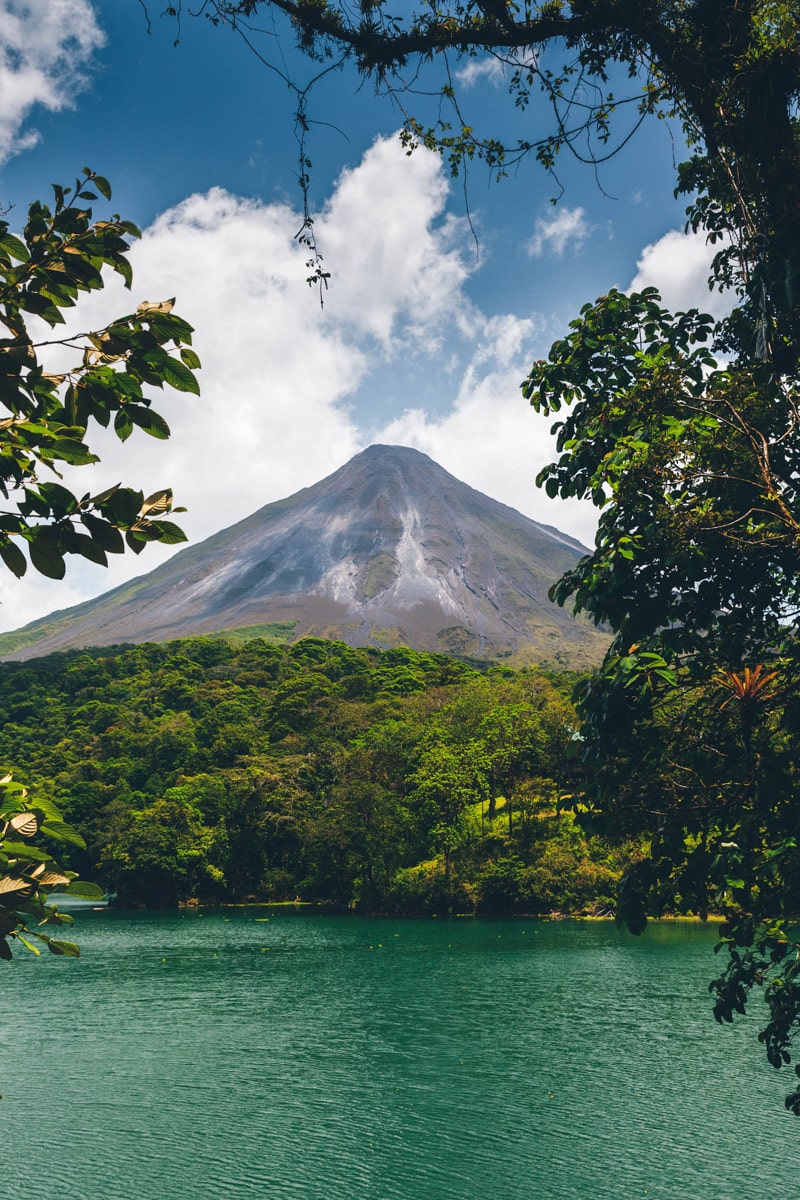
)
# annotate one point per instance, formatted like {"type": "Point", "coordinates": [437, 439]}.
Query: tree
{"type": "Point", "coordinates": [161, 854]}
{"type": "Point", "coordinates": [691, 725]}
{"type": "Point", "coordinates": [62, 253]}
{"type": "Point", "coordinates": [447, 780]}
{"type": "Point", "coordinates": [695, 470]}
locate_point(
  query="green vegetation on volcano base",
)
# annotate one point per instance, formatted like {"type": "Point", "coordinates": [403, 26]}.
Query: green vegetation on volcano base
{"type": "Point", "coordinates": [388, 780]}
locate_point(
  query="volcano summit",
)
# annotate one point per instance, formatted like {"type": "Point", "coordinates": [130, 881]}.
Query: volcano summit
{"type": "Point", "coordinates": [390, 549]}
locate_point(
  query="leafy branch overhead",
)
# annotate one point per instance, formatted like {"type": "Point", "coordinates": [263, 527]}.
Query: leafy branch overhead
{"type": "Point", "coordinates": [44, 427]}
{"type": "Point", "coordinates": [61, 254]}
{"type": "Point", "coordinates": [596, 69]}
{"type": "Point", "coordinates": [694, 467]}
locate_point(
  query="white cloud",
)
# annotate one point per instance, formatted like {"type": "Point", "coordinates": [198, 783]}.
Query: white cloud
{"type": "Point", "coordinates": [564, 227]}
{"type": "Point", "coordinates": [492, 438]}
{"type": "Point", "coordinates": [482, 70]}
{"type": "Point", "coordinates": [495, 70]}
{"type": "Point", "coordinates": [678, 264]}
{"type": "Point", "coordinates": [394, 261]}
{"type": "Point", "coordinates": [45, 46]}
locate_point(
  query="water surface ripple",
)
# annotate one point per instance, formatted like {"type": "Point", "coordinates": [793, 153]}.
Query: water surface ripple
{"type": "Point", "coordinates": [222, 1056]}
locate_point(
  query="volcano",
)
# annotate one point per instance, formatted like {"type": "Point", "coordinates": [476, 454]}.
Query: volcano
{"type": "Point", "coordinates": [390, 549]}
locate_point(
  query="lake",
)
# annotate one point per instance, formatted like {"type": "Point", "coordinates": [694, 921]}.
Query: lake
{"type": "Point", "coordinates": [274, 1053]}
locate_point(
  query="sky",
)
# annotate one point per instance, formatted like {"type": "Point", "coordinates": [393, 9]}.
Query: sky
{"type": "Point", "coordinates": [442, 291]}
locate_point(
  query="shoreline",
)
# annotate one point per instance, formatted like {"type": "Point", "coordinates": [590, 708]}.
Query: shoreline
{"type": "Point", "coordinates": [333, 910]}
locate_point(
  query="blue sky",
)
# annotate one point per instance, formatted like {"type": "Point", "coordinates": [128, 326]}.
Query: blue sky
{"type": "Point", "coordinates": [424, 337]}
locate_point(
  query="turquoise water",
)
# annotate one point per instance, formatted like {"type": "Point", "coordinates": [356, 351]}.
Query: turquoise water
{"type": "Point", "coordinates": [210, 1056]}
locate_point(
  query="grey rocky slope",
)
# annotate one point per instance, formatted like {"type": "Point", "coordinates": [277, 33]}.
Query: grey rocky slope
{"type": "Point", "coordinates": [390, 549]}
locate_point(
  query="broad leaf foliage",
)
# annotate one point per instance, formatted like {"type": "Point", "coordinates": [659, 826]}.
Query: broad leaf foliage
{"type": "Point", "coordinates": [62, 253]}
{"type": "Point", "coordinates": [45, 422]}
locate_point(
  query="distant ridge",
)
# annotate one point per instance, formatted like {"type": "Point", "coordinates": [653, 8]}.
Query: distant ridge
{"type": "Point", "coordinates": [390, 549]}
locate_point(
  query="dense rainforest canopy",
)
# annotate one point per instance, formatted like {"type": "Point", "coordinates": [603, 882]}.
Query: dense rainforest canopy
{"type": "Point", "coordinates": [392, 781]}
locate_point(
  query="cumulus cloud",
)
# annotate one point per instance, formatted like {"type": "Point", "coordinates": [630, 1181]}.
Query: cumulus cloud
{"type": "Point", "coordinates": [45, 47]}
{"type": "Point", "coordinates": [563, 228]}
{"type": "Point", "coordinates": [481, 70]}
{"type": "Point", "coordinates": [281, 377]}
{"type": "Point", "coordinates": [679, 264]}
{"type": "Point", "coordinates": [495, 70]}
{"type": "Point", "coordinates": [492, 438]}
{"type": "Point", "coordinates": [398, 267]}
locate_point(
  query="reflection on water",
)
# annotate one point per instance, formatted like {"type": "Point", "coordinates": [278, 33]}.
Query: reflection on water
{"type": "Point", "coordinates": [270, 1054]}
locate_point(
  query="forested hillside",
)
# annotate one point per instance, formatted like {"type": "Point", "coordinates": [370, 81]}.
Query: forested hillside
{"type": "Point", "coordinates": [394, 781]}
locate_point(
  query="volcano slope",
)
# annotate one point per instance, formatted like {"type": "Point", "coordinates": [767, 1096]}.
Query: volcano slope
{"type": "Point", "coordinates": [390, 549]}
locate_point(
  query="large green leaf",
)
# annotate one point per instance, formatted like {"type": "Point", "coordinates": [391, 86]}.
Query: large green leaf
{"type": "Point", "coordinates": [13, 246]}
{"type": "Point", "coordinates": [178, 376]}
{"type": "Point", "coordinates": [148, 420]}
{"type": "Point", "coordinates": [168, 532]}
{"type": "Point", "coordinates": [47, 559]}
{"type": "Point", "coordinates": [13, 557]}
{"type": "Point", "coordinates": [104, 534]}
{"type": "Point", "coordinates": [63, 833]}
{"type": "Point", "coordinates": [85, 890]}
{"type": "Point", "coordinates": [69, 949]}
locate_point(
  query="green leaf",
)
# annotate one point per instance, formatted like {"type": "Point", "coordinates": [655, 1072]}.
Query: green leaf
{"type": "Point", "coordinates": [191, 359]}
{"type": "Point", "coordinates": [88, 548]}
{"type": "Point", "coordinates": [63, 833]}
{"type": "Point", "coordinates": [15, 247]}
{"type": "Point", "coordinates": [29, 945]}
{"type": "Point", "coordinates": [136, 541]}
{"type": "Point", "coordinates": [71, 452]}
{"type": "Point", "coordinates": [54, 917]}
{"type": "Point", "coordinates": [148, 420]}
{"type": "Point", "coordinates": [85, 890]}
{"type": "Point", "coordinates": [103, 497]}
{"type": "Point", "coordinates": [102, 185]}
{"type": "Point", "coordinates": [123, 506]}
{"type": "Point", "coordinates": [123, 425]}
{"type": "Point", "coordinates": [47, 559]}
{"type": "Point", "coordinates": [124, 268]}
{"type": "Point", "coordinates": [104, 534]}
{"type": "Point", "coordinates": [168, 532]}
{"type": "Point", "coordinates": [178, 376]}
{"type": "Point", "coordinates": [23, 850]}
{"type": "Point", "coordinates": [14, 559]}
{"type": "Point", "coordinates": [69, 949]}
